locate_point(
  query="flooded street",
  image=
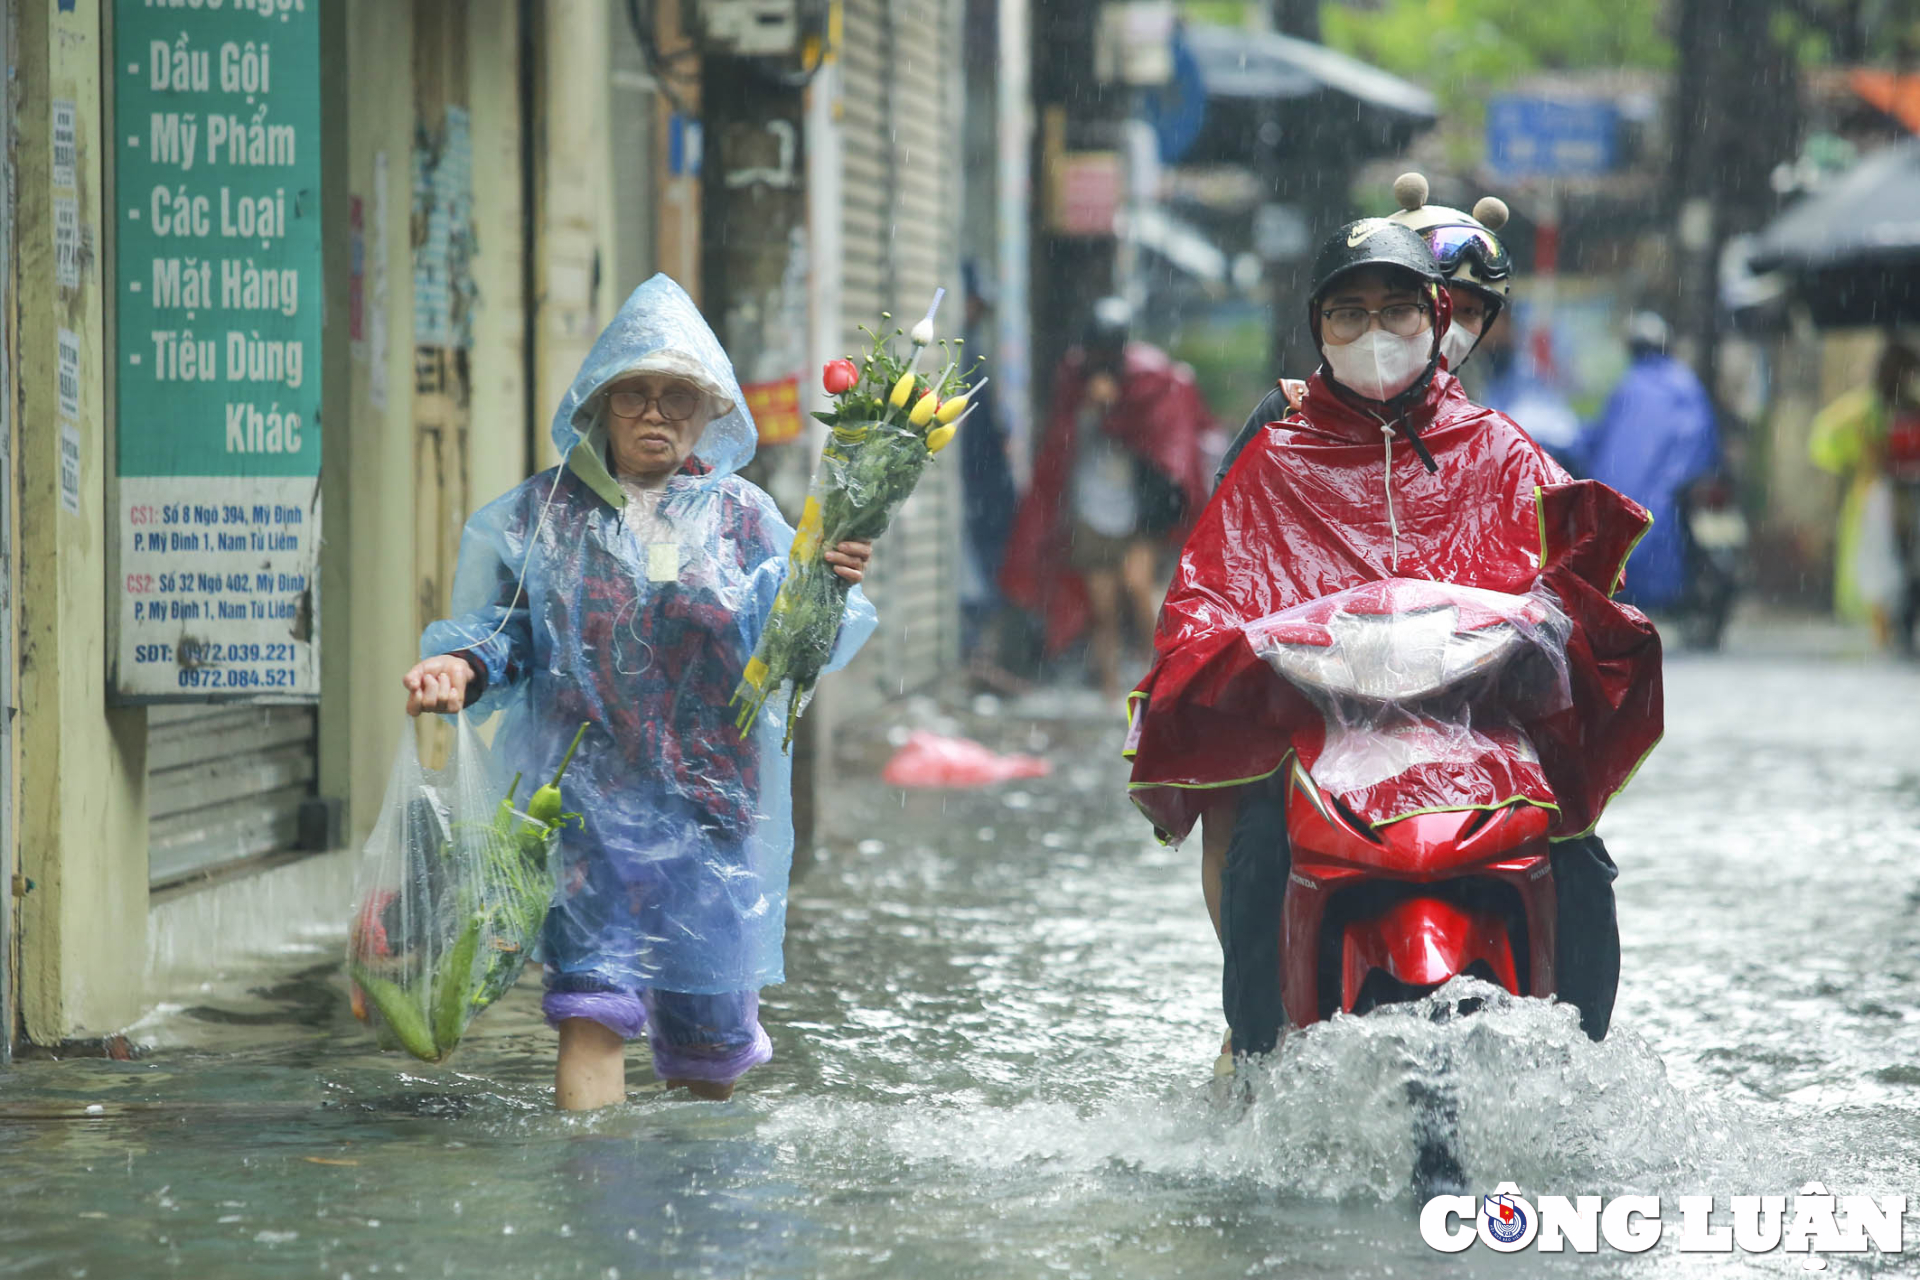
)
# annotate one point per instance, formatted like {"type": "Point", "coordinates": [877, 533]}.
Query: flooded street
{"type": "Point", "coordinates": [992, 1059]}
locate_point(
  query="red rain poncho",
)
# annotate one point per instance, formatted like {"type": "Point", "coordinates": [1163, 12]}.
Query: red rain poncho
{"type": "Point", "coordinates": [1304, 514]}
{"type": "Point", "coordinates": [1161, 417]}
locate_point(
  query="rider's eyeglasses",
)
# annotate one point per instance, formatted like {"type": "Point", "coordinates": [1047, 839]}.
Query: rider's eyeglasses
{"type": "Point", "coordinates": [1402, 320]}
{"type": "Point", "coordinates": [676, 403]}
{"type": "Point", "coordinates": [1452, 244]}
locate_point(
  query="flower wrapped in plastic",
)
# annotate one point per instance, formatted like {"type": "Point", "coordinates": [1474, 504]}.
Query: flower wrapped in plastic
{"type": "Point", "coordinates": [452, 894]}
{"type": "Point", "coordinates": [887, 422]}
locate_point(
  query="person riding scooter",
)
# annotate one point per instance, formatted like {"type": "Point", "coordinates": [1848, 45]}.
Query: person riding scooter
{"type": "Point", "coordinates": [1386, 471]}
{"type": "Point", "coordinates": [1479, 276]}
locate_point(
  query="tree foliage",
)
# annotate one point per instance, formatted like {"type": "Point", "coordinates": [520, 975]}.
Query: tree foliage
{"type": "Point", "coordinates": [1464, 50]}
{"type": "Point", "coordinates": [1849, 31]}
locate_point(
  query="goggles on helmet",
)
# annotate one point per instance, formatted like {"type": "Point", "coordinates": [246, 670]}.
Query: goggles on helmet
{"type": "Point", "coordinates": [1456, 244]}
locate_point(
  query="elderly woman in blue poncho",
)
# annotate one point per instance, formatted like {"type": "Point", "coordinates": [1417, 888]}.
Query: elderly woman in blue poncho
{"type": "Point", "coordinates": [626, 589]}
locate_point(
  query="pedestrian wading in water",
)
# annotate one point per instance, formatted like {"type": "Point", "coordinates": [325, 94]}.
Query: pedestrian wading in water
{"type": "Point", "coordinates": [626, 590]}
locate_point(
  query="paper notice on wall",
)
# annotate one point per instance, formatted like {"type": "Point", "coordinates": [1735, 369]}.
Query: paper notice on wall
{"type": "Point", "coordinates": [775, 408]}
{"type": "Point", "coordinates": [65, 143]}
{"type": "Point", "coordinates": [377, 312]}
{"type": "Point", "coordinates": [70, 468]}
{"type": "Point", "coordinates": [66, 242]}
{"type": "Point", "coordinates": [69, 366]}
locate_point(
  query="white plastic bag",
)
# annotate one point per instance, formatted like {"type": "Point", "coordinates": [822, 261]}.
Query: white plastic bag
{"type": "Point", "coordinates": [1876, 556]}
{"type": "Point", "coordinates": [452, 892]}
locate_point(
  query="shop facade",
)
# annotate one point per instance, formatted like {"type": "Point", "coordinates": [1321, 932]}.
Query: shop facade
{"type": "Point", "coordinates": [275, 332]}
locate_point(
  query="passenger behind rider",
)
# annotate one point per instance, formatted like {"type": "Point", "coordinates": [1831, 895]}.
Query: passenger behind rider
{"type": "Point", "coordinates": [1479, 275]}
{"type": "Point", "coordinates": [1309, 509]}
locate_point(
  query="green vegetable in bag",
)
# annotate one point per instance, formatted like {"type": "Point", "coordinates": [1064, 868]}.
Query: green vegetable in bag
{"type": "Point", "coordinates": [458, 891]}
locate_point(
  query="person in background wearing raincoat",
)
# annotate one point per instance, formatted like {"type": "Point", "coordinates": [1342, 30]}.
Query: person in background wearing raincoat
{"type": "Point", "coordinates": [1121, 475]}
{"type": "Point", "coordinates": [1655, 437]}
{"type": "Point", "coordinates": [1479, 274]}
{"type": "Point", "coordinates": [626, 589]}
{"type": "Point", "coordinates": [1871, 436]}
{"type": "Point", "coordinates": [1386, 470]}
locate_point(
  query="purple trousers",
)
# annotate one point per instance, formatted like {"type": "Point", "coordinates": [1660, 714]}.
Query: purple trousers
{"type": "Point", "coordinates": [713, 1038]}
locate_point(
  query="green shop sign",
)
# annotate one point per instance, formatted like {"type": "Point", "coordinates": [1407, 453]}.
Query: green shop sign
{"type": "Point", "coordinates": [218, 269]}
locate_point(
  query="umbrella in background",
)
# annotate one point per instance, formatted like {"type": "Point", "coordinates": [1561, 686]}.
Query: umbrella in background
{"type": "Point", "coordinates": [1240, 95]}
{"type": "Point", "coordinates": [1853, 249]}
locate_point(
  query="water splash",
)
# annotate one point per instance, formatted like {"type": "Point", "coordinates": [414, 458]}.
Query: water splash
{"type": "Point", "coordinates": [1328, 1118]}
{"type": "Point", "coordinates": [297, 909]}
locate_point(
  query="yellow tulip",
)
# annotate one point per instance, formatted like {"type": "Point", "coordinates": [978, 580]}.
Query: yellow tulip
{"type": "Point", "coordinates": [952, 409]}
{"type": "Point", "coordinates": [939, 437]}
{"type": "Point", "coordinates": [902, 390]}
{"type": "Point", "coordinates": [923, 409]}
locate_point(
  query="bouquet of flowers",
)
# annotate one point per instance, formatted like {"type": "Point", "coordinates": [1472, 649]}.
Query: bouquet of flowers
{"type": "Point", "coordinates": [887, 422]}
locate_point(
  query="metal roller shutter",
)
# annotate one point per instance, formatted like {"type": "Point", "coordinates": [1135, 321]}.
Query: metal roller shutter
{"type": "Point", "coordinates": [901, 147]}
{"type": "Point", "coordinates": [224, 784]}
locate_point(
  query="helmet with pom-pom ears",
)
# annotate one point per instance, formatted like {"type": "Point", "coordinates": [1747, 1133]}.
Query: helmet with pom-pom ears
{"type": "Point", "coordinates": [1467, 246]}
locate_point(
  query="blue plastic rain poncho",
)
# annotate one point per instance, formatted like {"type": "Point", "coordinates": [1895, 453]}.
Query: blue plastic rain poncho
{"type": "Point", "coordinates": [1655, 437]}
{"type": "Point", "coordinates": [637, 613]}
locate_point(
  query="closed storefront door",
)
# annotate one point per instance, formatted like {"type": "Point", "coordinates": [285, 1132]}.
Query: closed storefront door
{"type": "Point", "coordinates": [225, 784]}
{"type": "Point", "coordinates": [901, 146]}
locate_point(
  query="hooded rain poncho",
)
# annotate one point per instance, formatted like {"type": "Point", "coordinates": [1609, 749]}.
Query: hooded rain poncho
{"type": "Point", "coordinates": [1656, 437]}
{"type": "Point", "coordinates": [637, 613]}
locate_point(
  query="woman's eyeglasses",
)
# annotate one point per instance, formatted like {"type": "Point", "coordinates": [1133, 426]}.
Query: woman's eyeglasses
{"type": "Point", "coordinates": [1402, 320]}
{"type": "Point", "coordinates": [677, 404]}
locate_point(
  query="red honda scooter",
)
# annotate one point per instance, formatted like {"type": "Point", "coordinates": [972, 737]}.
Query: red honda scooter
{"type": "Point", "coordinates": [1418, 815]}
{"type": "Point", "coordinates": [1380, 914]}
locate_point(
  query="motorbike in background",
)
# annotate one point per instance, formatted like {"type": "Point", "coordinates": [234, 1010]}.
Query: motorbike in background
{"type": "Point", "coordinates": [1716, 536]}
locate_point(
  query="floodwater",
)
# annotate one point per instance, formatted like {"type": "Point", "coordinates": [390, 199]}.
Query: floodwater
{"type": "Point", "coordinates": [993, 1060]}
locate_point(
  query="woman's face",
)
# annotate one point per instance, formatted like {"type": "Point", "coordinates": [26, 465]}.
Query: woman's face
{"type": "Point", "coordinates": [1469, 310]}
{"type": "Point", "coordinates": [653, 422]}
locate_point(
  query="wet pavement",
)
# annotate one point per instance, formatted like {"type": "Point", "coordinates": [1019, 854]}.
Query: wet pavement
{"type": "Point", "coordinates": [994, 1048]}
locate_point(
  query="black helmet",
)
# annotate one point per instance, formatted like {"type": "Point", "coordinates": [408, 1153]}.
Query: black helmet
{"type": "Point", "coordinates": [1379, 242]}
{"type": "Point", "coordinates": [1648, 334]}
{"type": "Point", "coordinates": [1372, 242]}
{"type": "Point", "coordinates": [1110, 325]}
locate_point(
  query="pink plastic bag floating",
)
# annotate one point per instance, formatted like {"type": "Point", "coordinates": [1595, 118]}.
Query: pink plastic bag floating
{"type": "Point", "coordinates": [930, 760]}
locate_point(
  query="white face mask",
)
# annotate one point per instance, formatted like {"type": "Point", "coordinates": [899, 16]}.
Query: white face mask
{"type": "Point", "coordinates": [1457, 344]}
{"type": "Point", "coordinates": [1380, 365]}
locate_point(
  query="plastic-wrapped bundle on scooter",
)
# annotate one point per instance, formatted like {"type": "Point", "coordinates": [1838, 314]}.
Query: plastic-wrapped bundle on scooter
{"type": "Point", "coordinates": [1424, 689]}
{"type": "Point", "coordinates": [452, 893]}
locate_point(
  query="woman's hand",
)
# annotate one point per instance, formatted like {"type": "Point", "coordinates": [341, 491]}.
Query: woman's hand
{"type": "Point", "coordinates": [849, 560]}
{"type": "Point", "coordinates": [438, 684]}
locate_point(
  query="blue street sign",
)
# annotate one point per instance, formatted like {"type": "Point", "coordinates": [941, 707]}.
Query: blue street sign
{"type": "Point", "coordinates": [1539, 137]}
